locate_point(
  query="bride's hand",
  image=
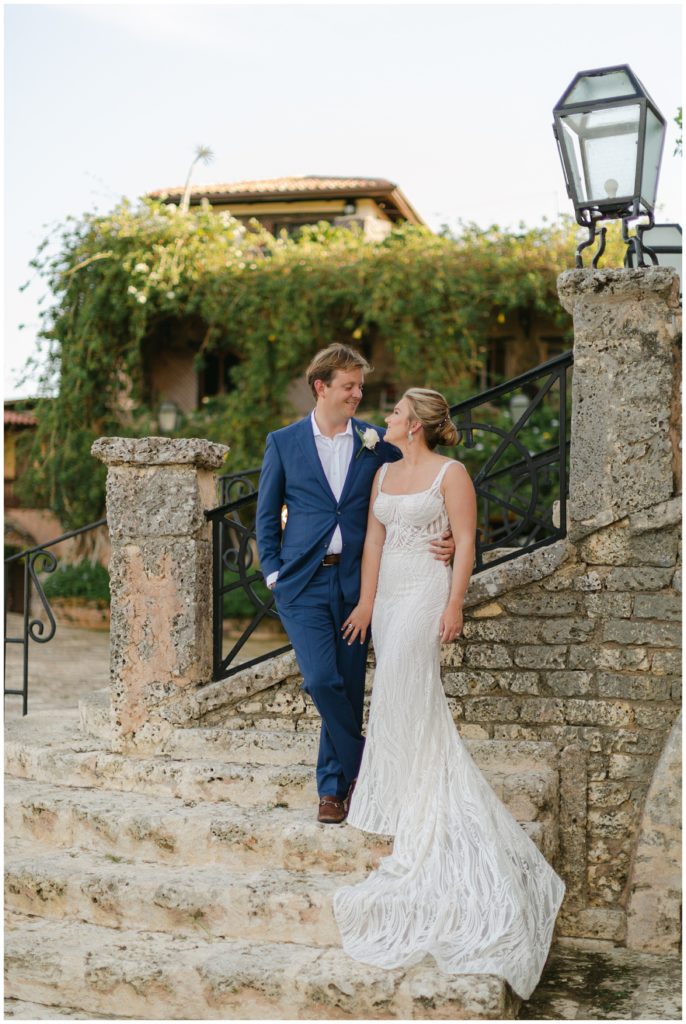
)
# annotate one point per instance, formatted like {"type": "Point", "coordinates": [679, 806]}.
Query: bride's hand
{"type": "Point", "coordinates": [451, 624]}
{"type": "Point", "coordinates": [357, 624]}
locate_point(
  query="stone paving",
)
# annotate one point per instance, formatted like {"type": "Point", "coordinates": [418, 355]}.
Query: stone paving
{"type": "Point", "coordinates": [587, 980]}
{"type": "Point", "coordinates": [583, 980]}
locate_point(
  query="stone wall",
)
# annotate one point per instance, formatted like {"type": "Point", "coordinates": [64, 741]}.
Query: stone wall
{"type": "Point", "coordinates": [588, 658]}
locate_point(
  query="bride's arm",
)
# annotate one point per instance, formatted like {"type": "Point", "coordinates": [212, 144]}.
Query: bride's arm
{"type": "Point", "coordinates": [460, 503]}
{"type": "Point", "coordinates": [358, 621]}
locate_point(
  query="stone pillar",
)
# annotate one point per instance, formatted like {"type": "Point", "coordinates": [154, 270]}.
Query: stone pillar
{"type": "Point", "coordinates": [160, 577]}
{"type": "Point", "coordinates": [625, 411]}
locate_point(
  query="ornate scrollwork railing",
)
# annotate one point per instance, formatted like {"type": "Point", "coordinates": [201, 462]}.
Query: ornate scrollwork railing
{"type": "Point", "coordinates": [518, 478]}
{"type": "Point", "coordinates": [232, 486]}
{"type": "Point", "coordinates": [35, 560]}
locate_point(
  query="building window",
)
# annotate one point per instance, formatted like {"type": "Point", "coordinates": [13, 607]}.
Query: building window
{"type": "Point", "coordinates": [215, 378]}
{"type": "Point", "coordinates": [493, 369]}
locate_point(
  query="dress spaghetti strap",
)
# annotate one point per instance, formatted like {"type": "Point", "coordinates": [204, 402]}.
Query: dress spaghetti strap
{"type": "Point", "coordinates": [441, 474]}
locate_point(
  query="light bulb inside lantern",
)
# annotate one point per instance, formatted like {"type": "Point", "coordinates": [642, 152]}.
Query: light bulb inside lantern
{"type": "Point", "coordinates": [611, 187]}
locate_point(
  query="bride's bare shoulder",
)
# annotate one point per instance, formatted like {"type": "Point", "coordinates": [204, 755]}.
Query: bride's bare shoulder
{"type": "Point", "coordinates": [458, 477]}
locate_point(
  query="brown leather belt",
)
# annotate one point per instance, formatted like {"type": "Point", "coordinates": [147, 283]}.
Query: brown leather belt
{"type": "Point", "coordinates": [331, 559]}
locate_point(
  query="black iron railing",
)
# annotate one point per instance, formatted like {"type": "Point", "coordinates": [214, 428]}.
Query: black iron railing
{"type": "Point", "coordinates": [36, 560]}
{"type": "Point", "coordinates": [235, 572]}
{"type": "Point", "coordinates": [518, 478]}
{"type": "Point", "coordinates": [235, 485]}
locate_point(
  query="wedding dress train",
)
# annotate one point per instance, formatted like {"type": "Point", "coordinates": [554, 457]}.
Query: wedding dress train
{"type": "Point", "coordinates": [464, 881]}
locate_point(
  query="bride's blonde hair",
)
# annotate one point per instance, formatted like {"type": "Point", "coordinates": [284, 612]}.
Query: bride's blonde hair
{"type": "Point", "coordinates": [432, 411]}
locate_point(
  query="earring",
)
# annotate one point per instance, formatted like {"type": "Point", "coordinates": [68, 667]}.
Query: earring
{"type": "Point", "coordinates": [410, 436]}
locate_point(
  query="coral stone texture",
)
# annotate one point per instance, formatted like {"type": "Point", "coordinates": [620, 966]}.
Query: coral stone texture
{"type": "Point", "coordinates": [160, 575]}
{"type": "Point", "coordinates": [654, 906]}
{"type": "Point", "coordinates": [625, 349]}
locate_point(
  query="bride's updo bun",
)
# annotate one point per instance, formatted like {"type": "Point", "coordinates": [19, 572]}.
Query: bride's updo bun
{"type": "Point", "coordinates": [432, 411]}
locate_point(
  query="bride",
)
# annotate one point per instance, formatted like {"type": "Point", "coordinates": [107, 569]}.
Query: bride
{"type": "Point", "coordinates": [464, 881]}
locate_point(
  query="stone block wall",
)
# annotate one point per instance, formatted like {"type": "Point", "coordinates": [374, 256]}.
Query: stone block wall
{"type": "Point", "coordinates": [589, 658]}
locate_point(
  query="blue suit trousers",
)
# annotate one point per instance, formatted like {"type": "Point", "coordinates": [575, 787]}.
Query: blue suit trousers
{"type": "Point", "coordinates": [333, 675]}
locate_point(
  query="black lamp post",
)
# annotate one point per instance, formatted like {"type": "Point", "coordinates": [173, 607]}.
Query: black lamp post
{"type": "Point", "coordinates": [610, 136]}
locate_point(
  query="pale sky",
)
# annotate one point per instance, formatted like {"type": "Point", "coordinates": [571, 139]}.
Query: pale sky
{"type": "Point", "coordinates": [452, 102]}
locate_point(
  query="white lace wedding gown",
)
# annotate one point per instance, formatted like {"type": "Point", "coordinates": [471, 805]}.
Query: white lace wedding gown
{"type": "Point", "coordinates": [464, 882]}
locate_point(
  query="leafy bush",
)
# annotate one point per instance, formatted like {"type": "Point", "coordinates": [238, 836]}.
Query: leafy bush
{"type": "Point", "coordinates": [87, 580]}
{"type": "Point", "coordinates": [428, 300]}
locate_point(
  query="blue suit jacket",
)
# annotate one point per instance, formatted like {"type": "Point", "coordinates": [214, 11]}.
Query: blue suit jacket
{"type": "Point", "coordinates": [292, 474]}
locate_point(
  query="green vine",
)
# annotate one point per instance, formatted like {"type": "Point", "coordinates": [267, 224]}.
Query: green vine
{"type": "Point", "coordinates": [431, 300]}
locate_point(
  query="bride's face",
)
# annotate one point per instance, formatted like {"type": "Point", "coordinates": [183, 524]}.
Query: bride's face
{"type": "Point", "coordinates": [399, 423]}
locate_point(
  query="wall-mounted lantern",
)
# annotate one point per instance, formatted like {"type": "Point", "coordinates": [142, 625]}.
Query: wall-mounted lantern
{"type": "Point", "coordinates": [168, 417]}
{"type": "Point", "coordinates": [518, 404]}
{"type": "Point", "coordinates": [610, 137]}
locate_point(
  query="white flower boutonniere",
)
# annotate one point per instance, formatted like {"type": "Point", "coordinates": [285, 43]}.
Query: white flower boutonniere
{"type": "Point", "coordinates": [369, 438]}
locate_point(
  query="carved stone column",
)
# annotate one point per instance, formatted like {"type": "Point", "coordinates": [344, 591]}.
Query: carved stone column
{"type": "Point", "coordinates": [160, 577]}
{"type": "Point", "coordinates": [625, 414]}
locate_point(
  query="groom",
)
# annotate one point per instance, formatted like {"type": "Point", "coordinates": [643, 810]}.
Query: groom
{"type": "Point", "coordinates": [321, 468]}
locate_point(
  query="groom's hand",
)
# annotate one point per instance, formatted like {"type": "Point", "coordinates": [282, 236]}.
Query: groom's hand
{"type": "Point", "coordinates": [357, 624]}
{"type": "Point", "coordinates": [444, 547]}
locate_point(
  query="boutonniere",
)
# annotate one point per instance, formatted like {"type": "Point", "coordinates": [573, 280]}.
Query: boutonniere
{"type": "Point", "coordinates": [369, 439]}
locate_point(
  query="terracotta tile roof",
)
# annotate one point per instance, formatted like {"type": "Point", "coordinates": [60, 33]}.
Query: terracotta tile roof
{"type": "Point", "coordinates": [19, 419]}
{"type": "Point", "coordinates": [312, 185]}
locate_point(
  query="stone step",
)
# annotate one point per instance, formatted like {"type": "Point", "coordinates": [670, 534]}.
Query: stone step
{"type": "Point", "coordinates": [153, 976]}
{"type": "Point", "coordinates": [281, 746]}
{"type": "Point", "coordinates": [279, 740]}
{"type": "Point", "coordinates": [168, 830]}
{"type": "Point", "coordinates": [211, 780]}
{"type": "Point", "coordinates": [21, 1009]}
{"type": "Point", "coordinates": [261, 906]}
{"type": "Point", "coordinates": [50, 747]}
{"type": "Point", "coordinates": [171, 831]}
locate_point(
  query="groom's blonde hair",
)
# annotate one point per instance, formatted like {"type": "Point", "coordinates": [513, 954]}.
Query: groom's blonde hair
{"type": "Point", "coordinates": [334, 357]}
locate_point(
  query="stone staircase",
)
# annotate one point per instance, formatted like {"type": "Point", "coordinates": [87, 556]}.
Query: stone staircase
{"type": "Point", "coordinates": [197, 884]}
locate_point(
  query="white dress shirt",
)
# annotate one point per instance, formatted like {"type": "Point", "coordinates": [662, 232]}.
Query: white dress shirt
{"type": "Point", "coordinates": [335, 454]}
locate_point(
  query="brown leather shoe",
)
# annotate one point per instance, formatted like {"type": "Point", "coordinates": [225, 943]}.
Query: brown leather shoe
{"type": "Point", "coordinates": [332, 811]}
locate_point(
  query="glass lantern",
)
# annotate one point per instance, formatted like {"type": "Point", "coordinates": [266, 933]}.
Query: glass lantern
{"type": "Point", "coordinates": [610, 136]}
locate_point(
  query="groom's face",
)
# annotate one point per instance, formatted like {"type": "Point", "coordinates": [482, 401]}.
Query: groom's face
{"type": "Point", "coordinates": [342, 396]}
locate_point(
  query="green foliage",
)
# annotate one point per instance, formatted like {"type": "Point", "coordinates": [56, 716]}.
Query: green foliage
{"type": "Point", "coordinates": [431, 300]}
{"type": "Point", "coordinates": [87, 580]}
{"type": "Point", "coordinates": [237, 604]}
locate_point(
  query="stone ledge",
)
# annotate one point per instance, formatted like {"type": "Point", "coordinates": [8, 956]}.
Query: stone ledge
{"type": "Point", "coordinates": [519, 571]}
{"type": "Point", "coordinates": [159, 451]}
{"type": "Point", "coordinates": [620, 283]}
